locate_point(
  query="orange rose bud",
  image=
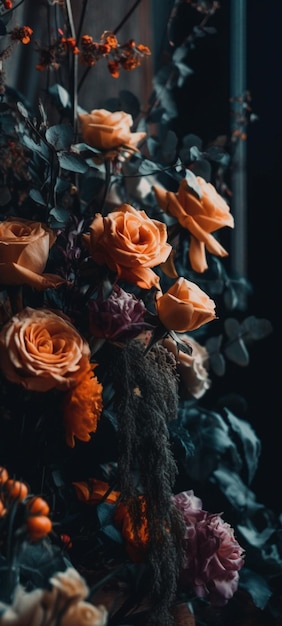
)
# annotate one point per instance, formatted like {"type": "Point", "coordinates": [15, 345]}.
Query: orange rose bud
{"type": "Point", "coordinates": [184, 307]}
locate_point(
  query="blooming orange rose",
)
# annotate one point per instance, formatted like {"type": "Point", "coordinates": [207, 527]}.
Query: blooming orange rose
{"type": "Point", "coordinates": [192, 368]}
{"type": "Point", "coordinates": [184, 306]}
{"type": "Point", "coordinates": [41, 350]}
{"type": "Point", "coordinates": [105, 130]}
{"type": "Point", "coordinates": [200, 215]}
{"type": "Point", "coordinates": [24, 250]}
{"type": "Point", "coordinates": [129, 243]}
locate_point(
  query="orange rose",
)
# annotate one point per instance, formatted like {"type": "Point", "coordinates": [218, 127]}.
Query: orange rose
{"type": "Point", "coordinates": [129, 243]}
{"type": "Point", "coordinates": [200, 215]}
{"type": "Point", "coordinates": [105, 130]}
{"type": "Point", "coordinates": [41, 350]}
{"type": "Point", "coordinates": [24, 250]}
{"type": "Point", "coordinates": [192, 368]}
{"type": "Point", "coordinates": [184, 307]}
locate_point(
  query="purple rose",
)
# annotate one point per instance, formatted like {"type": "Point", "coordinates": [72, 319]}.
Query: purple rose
{"type": "Point", "coordinates": [119, 317]}
{"type": "Point", "coordinates": [213, 557]}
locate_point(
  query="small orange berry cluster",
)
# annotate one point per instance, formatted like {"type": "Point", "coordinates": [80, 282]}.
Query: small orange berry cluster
{"type": "Point", "coordinates": [21, 34]}
{"type": "Point", "coordinates": [34, 519]}
{"type": "Point", "coordinates": [128, 56]}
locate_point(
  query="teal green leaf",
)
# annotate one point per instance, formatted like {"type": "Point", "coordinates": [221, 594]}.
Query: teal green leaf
{"type": "Point", "coordinates": [72, 162]}
{"type": "Point", "coordinates": [256, 586]}
{"type": "Point", "coordinates": [37, 196]}
{"type": "Point", "coordinates": [257, 328]}
{"type": "Point", "coordinates": [60, 136]}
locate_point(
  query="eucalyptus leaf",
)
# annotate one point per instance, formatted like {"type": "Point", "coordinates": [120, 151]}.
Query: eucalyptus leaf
{"type": "Point", "coordinates": [72, 162]}
{"type": "Point", "coordinates": [249, 442]}
{"type": "Point", "coordinates": [60, 136]}
{"type": "Point", "coordinates": [257, 328]}
{"type": "Point", "coordinates": [256, 586]}
{"type": "Point", "coordinates": [60, 214]}
{"type": "Point", "coordinates": [37, 196]}
{"type": "Point", "coordinates": [235, 350]}
{"type": "Point", "coordinates": [22, 110]}
{"type": "Point", "coordinates": [105, 513]}
{"type": "Point", "coordinates": [60, 95]}
{"type": "Point", "coordinates": [230, 298]}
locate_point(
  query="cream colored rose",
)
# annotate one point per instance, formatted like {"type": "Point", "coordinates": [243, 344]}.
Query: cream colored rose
{"type": "Point", "coordinates": [184, 306]}
{"type": "Point", "coordinates": [24, 251]}
{"type": "Point", "coordinates": [70, 583]}
{"type": "Point", "coordinates": [192, 368]}
{"type": "Point", "coordinates": [85, 614]}
{"type": "Point", "coordinates": [105, 130]}
{"type": "Point", "coordinates": [41, 350]}
{"type": "Point", "coordinates": [66, 598]}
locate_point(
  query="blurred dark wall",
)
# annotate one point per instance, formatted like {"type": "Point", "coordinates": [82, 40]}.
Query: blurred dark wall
{"type": "Point", "coordinates": [264, 240]}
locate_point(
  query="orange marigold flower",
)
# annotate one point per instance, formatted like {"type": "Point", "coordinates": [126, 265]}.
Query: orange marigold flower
{"type": "Point", "coordinates": [82, 407]}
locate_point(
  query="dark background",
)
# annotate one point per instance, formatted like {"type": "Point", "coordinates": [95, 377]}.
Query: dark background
{"type": "Point", "coordinates": [204, 109]}
{"type": "Point", "coordinates": [264, 234]}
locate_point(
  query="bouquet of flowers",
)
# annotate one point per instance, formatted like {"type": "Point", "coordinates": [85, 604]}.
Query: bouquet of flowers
{"type": "Point", "coordinates": [124, 495]}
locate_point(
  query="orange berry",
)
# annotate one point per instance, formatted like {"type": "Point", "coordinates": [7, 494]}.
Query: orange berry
{"type": "Point", "coordinates": [38, 506]}
{"type": "Point", "coordinates": [15, 489]}
{"type": "Point", "coordinates": [38, 526]}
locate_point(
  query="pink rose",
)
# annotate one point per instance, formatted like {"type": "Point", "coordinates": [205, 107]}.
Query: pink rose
{"type": "Point", "coordinates": [213, 557]}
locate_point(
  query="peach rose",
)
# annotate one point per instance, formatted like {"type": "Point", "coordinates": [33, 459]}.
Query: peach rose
{"type": "Point", "coordinates": [129, 243]}
{"type": "Point", "coordinates": [41, 350]}
{"type": "Point", "coordinates": [24, 250]}
{"type": "Point", "coordinates": [184, 306]}
{"type": "Point", "coordinates": [192, 368]}
{"type": "Point", "coordinates": [105, 130]}
{"type": "Point", "coordinates": [200, 215]}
